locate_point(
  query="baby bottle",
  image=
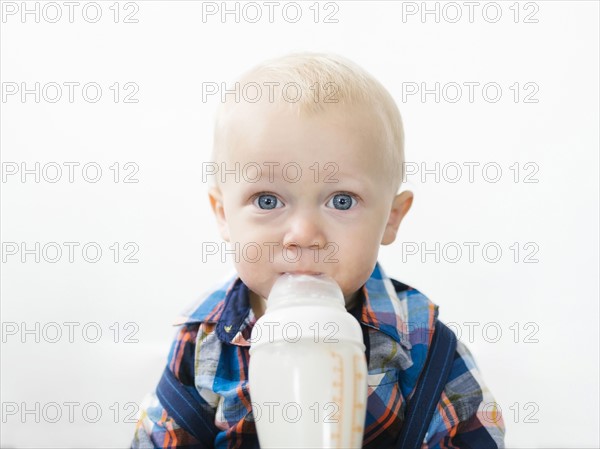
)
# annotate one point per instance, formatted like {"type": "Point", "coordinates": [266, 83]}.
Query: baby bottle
{"type": "Point", "coordinates": [308, 371]}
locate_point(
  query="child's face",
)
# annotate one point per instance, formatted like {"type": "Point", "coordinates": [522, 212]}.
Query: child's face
{"type": "Point", "coordinates": [326, 211]}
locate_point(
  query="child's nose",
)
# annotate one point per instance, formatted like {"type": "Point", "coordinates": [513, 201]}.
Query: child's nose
{"type": "Point", "coordinates": [305, 231]}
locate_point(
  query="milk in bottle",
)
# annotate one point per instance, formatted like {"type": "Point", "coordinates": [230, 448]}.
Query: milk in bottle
{"type": "Point", "coordinates": [308, 372]}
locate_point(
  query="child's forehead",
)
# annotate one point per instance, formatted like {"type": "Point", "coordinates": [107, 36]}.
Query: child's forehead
{"type": "Point", "coordinates": [263, 128]}
{"type": "Point", "coordinates": [293, 178]}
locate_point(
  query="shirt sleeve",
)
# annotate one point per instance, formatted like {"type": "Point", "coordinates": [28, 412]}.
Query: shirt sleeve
{"type": "Point", "coordinates": [155, 428]}
{"type": "Point", "coordinates": [467, 415]}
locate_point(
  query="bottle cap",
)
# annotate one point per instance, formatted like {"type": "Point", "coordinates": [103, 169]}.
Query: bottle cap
{"type": "Point", "coordinates": [303, 289]}
{"type": "Point", "coordinates": [304, 307]}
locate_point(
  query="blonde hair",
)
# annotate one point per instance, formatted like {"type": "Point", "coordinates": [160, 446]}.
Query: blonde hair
{"type": "Point", "coordinates": [319, 74]}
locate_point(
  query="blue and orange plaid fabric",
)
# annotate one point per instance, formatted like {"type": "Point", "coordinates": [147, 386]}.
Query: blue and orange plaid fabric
{"type": "Point", "coordinates": [210, 354]}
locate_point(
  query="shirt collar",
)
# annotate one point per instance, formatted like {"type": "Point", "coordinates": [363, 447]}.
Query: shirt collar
{"type": "Point", "coordinates": [383, 307]}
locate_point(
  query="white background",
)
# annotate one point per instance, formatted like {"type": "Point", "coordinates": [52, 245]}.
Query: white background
{"type": "Point", "coordinates": [547, 388]}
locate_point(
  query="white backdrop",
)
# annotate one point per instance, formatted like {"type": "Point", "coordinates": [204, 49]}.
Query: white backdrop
{"type": "Point", "coordinates": [528, 130]}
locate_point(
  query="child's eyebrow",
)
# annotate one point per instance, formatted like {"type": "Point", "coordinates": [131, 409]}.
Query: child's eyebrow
{"type": "Point", "coordinates": [293, 174]}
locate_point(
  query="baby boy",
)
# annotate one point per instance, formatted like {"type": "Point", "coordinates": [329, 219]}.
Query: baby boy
{"type": "Point", "coordinates": [308, 163]}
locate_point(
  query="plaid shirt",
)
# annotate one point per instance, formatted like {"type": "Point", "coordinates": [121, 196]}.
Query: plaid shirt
{"type": "Point", "coordinates": [211, 354]}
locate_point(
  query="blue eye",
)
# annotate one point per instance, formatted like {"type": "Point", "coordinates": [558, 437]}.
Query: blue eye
{"type": "Point", "coordinates": [342, 201]}
{"type": "Point", "coordinates": [267, 202]}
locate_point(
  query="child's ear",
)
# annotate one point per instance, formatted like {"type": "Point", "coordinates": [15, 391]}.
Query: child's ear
{"type": "Point", "coordinates": [400, 206]}
{"type": "Point", "coordinates": [216, 201]}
